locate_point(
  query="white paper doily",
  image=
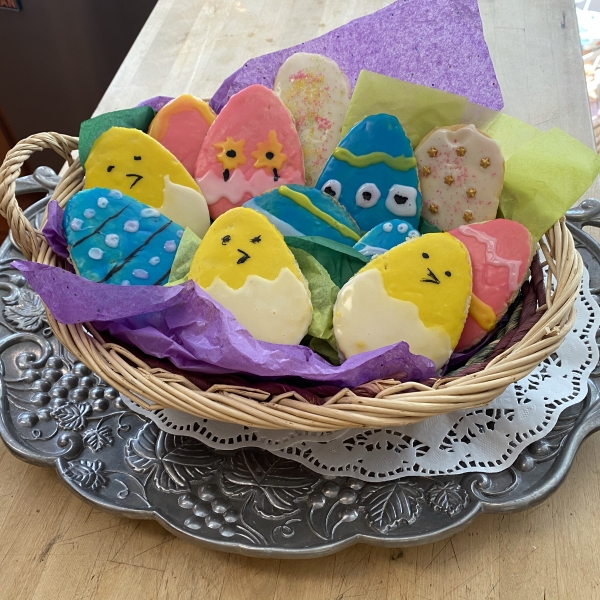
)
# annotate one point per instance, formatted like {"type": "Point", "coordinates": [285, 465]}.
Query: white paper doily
{"type": "Point", "coordinates": [486, 439]}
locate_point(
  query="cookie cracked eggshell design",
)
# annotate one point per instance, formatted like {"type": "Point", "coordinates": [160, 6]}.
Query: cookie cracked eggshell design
{"type": "Point", "coordinates": [244, 264]}
{"type": "Point", "coordinates": [418, 292]}
{"type": "Point", "coordinates": [252, 147]}
{"type": "Point", "coordinates": [373, 173]}
{"type": "Point", "coordinates": [461, 171]}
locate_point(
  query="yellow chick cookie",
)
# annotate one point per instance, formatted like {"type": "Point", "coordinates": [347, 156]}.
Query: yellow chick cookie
{"type": "Point", "coordinates": [418, 292]}
{"type": "Point", "coordinates": [244, 264]}
{"type": "Point", "coordinates": [137, 165]}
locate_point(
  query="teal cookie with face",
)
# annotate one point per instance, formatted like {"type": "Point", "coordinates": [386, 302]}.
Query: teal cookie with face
{"type": "Point", "coordinates": [385, 236]}
{"type": "Point", "coordinates": [296, 210]}
{"type": "Point", "coordinates": [373, 174]}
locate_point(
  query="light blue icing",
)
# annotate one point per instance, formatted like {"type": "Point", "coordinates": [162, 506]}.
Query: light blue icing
{"type": "Point", "coordinates": [292, 219]}
{"type": "Point", "coordinates": [385, 236]}
{"type": "Point", "coordinates": [115, 239]}
{"type": "Point", "coordinates": [375, 193]}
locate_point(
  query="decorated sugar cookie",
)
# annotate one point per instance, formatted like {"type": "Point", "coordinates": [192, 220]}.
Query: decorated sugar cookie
{"type": "Point", "coordinates": [373, 173]}
{"type": "Point", "coordinates": [300, 210]}
{"type": "Point", "coordinates": [462, 173]}
{"type": "Point", "coordinates": [181, 126]}
{"type": "Point", "coordinates": [317, 93]}
{"type": "Point", "coordinates": [251, 148]}
{"type": "Point", "coordinates": [244, 264]}
{"type": "Point", "coordinates": [132, 162]}
{"type": "Point", "coordinates": [385, 236]}
{"type": "Point", "coordinates": [500, 251]}
{"type": "Point", "coordinates": [417, 292]}
{"type": "Point", "coordinates": [115, 239]}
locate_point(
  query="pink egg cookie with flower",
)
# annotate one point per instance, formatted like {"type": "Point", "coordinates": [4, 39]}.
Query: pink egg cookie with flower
{"type": "Point", "coordinates": [501, 252]}
{"type": "Point", "coordinates": [461, 173]}
{"type": "Point", "coordinates": [252, 147]}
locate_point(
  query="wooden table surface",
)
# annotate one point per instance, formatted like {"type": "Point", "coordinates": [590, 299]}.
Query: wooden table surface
{"type": "Point", "coordinates": [53, 545]}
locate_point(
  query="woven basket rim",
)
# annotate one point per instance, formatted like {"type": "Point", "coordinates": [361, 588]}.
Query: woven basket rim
{"type": "Point", "coordinates": [391, 403]}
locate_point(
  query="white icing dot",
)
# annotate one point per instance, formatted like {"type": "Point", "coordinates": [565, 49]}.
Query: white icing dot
{"type": "Point", "coordinates": [140, 274]}
{"type": "Point", "coordinates": [149, 212]}
{"type": "Point", "coordinates": [102, 202]}
{"type": "Point", "coordinates": [154, 260]}
{"type": "Point", "coordinates": [387, 227]}
{"type": "Point", "coordinates": [125, 282]}
{"type": "Point", "coordinates": [180, 233]}
{"type": "Point", "coordinates": [112, 240]}
{"type": "Point", "coordinates": [402, 228]}
{"type": "Point", "coordinates": [95, 253]}
{"type": "Point", "coordinates": [89, 213]}
{"type": "Point", "coordinates": [413, 234]}
{"type": "Point", "coordinates": [76, 224]}
{"type": "Point", "coordinates": [115, 194]}
{"type": "Point", "coordinates": [170, 246]}
{"type": "Point", "coordinates": [131, 226]}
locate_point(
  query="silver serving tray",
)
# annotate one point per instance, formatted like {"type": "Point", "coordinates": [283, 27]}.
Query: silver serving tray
{"type": "Point", "coordinates": [54, 412]}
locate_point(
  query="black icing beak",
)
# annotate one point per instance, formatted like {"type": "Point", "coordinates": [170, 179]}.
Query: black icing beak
{"type": "Point", "coordinates": [242, 259]}
{"type": "Point", "coordinates": [432, 278]}
{"type": "Point", "coordinates": [137, 178]}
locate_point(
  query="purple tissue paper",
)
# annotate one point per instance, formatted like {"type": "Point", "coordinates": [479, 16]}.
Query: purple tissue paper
{"type": "Point", "coordinates": [156, 103]}
{"type": "Point", "coordinates": [183, 324]}
{"type": "Point", "coordinates": [437, 43]}
{"type": "Point", "coordinates": [53, 230]}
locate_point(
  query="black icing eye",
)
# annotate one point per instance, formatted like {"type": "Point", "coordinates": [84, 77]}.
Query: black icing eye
{"type": "Point", "coordinates": [425, 255]}
{"type": "Point", "coordinates": [231, 153]}
{"type": "Point", "coordinates": [110, 168]}
{"type": "Point", "coordinates": [255, 240]}
{"type": "Point", "coordinates": [225, 239]}
{"type": "Point", "coordinates": [367, 195]}
{"type": "Point", "coordinates": [447, 274]}
{"type": "Point", "coordinates": [137, 158]}
{"type": "Point", "coordinates": [269, 155]}
{"type": "Point", "coordinates": [332, 187]}
{"type": "Point", "coordinates": [400, 199]}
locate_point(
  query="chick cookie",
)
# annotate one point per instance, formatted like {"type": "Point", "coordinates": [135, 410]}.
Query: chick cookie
{"type": "Point", "coordinates": [244, 264]}
{"type": "Point", "coordinates": [418, 292]}
{"type": "Point", "coordinates": [461, 171]}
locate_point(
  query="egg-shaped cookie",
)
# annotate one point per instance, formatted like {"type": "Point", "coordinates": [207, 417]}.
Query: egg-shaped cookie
{"type": "Point", "coordinates": [461, 171]}
{"type": "Point", "coordinates": [251, 147]}
{"type": "Point", "coordinates": [244, 264]}
{"type": "Point", "coordinates": [300, 210]}
{"type": "Point", "coordinates": [385, 236]}
{"type": "Point", "coordinates": [501, 252]}
{"type": "Point", "coordinates": [317, 93]}
{"type": "Point", "coordinates": [113, 238]}
{"type": "Point", "coordinates": [136, 164]}
{"type": "Point", "coordinates": [418, 292]}
{"type": "Point", "coordinates": [373, 173]}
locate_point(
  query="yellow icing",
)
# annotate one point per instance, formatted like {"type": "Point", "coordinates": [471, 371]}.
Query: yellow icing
{"type": "Point", "coordinates": [231, 162]}
{"type": "Point", "coordinates": [160, 124]}
{"type": "Point", "coordinates": [277, 311]}
{"type": "Point", "coordinates": [398, 163]}
{"type": "Point", "coordinates": [367, 318]}
{"type": "Point", "coordinates": [404, 267]}
{"type": "Point", "coordinates": [271, 146]}
{"type": "Point", "coordinates": [482, 313]}
{"type": "Point", "coordinates": [304, 201]}
{"type": "Point", "coordinates": [118, 148]}
{"type": "Point", "coordinates": [217, 257]}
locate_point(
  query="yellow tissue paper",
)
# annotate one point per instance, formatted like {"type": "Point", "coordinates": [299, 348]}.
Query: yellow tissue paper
{"type": "Point", "coordinates": [183, 259]}
{"type": "Point", "coordinates": [545, 172]}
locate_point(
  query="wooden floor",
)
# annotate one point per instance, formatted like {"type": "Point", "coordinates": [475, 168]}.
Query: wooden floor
{"type": "Point", "coordinates": [52, 545]}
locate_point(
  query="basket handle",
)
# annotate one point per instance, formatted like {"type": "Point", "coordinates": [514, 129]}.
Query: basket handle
{"type": "Point", "coordinates": [24, 234]}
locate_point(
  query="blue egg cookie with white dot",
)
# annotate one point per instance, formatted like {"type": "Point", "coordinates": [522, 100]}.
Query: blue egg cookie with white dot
{"type": "Point", "coordinates": [373, 173]}
{"type": "Point", "coordinates": [385, 236]}
{"type": "Point", "coordinates": [115, 239]}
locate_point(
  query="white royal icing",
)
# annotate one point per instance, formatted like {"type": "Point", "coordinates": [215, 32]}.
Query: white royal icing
{"type": "Point", "coordinates": [179, 234]}
{"type": "Point", "coordinates": [76, 224]}
{"type": "Point", "coordinates": [125, 282]}
{"type": "Point", "coordinates": [102, 202]}
{"type": "Point", "coordinates": [89, 213]}
{"type": "Point", "coordinates": [387, 227]}
{"type": "Point", "coordinates": [112, 240]}
{"type": "Point", "coordinates": [115, 194]}
{"type": "Point", "coordinates": [95, 253]}
{"type": "Point", "coordinates": [140, 274]}
{"type": "Point", "coordinates": [149, 212]}
{"type": "Point", "coordinates": [402, 228]}
{"type": "Point", "coordinates": [170, 246]}
{"type": "Point", "coordinates": [131, 226]}
{"type": "Point", "coordinates": [154, 260]}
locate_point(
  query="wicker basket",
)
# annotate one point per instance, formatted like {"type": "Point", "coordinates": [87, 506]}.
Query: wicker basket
{"type": "Point", "coordinates": [380, 403]}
